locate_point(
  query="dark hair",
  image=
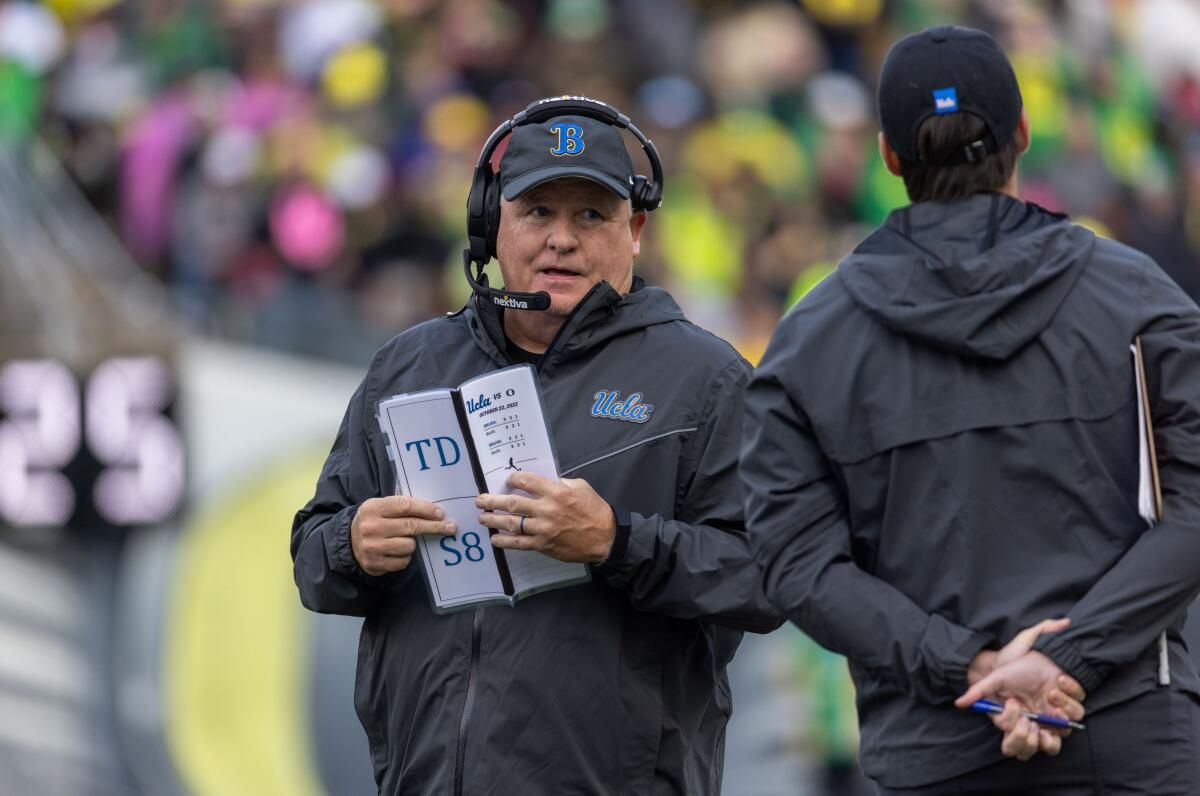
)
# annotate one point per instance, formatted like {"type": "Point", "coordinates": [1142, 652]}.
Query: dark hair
{"type": "Point", "coordinates": [940, 138]}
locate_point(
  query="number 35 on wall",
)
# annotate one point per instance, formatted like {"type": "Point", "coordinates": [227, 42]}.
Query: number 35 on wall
{"type": "Point", "coordinates": [111, 451]}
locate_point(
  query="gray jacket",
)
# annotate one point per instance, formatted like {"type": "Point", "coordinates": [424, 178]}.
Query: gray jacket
{"type": "Point", "coordinates": [617, 686]}
{"type": "Point", "coordinates": [941, 449]}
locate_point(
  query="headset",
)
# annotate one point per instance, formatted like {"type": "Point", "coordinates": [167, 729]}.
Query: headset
{"type": "Point", "coordinates": [483, 203]}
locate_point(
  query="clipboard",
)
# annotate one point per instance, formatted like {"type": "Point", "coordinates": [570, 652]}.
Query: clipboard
{"type": "Point", "coordinates": [1149, 486]}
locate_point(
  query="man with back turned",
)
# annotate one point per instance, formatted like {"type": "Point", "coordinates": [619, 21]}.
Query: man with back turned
{"type": "Point", "coordinates": [941, 450]}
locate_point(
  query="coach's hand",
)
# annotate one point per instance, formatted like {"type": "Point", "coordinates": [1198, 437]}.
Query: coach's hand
{"type": "Point", "coordinates": [381, 535]}
{"type": "Point", "coordinates": [1021, 684]}
{"type": "Point", "coordinates": [1062, 695]}
{"type": "Point", "coordinates": [1037, 684]}
{"type": "Point", "coordinates": [565, 519]}
{"type": "Point", "coordinates": [1024, 738]}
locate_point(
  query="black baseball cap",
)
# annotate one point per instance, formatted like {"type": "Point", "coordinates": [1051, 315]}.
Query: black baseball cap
{"type": "Point", "coordinates": [565, 146]}
{"type": "Point", "coordinates": [948, 69]}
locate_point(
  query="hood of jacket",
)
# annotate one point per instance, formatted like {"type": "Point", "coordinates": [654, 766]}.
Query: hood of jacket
{"type": "Point", "coordinates": [600, 315]}
{"type": "Point", "coordinates": [980, 277]}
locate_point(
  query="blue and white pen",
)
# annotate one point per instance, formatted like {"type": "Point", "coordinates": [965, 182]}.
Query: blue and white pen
{"type": "Point", "coordinates": [988, 706]}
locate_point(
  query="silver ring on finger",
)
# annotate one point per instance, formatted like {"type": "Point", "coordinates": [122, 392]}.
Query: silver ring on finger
{"type": "Point", "coordinates": [521, 525]}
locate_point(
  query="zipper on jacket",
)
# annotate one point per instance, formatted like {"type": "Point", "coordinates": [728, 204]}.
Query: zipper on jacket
{"type": "Point", "coordinates": [472, 676]}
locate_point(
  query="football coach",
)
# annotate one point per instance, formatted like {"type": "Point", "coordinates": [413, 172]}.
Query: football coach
{"type": "Point", "coordinates": [617, 686]}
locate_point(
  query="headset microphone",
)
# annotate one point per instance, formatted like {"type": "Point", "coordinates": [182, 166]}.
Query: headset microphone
{"type": "Point", "coordinates": [508, 299]}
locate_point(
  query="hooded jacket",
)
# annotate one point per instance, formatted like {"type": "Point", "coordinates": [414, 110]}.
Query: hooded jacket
{"type": "Point", "coordinates": [941, 449]}
{"type": "Point", "coordinates": [615, 686]}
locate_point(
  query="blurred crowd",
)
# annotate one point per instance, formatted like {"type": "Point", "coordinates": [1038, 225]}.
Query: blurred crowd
{"type": "Point", "coordinates": [295, 171]}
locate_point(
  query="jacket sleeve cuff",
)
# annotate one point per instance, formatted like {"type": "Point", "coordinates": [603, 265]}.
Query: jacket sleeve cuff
{"type": "Point", "coordinates": [958, 647]}
{"type": "Point", "coordinates": [620, 546]}
{"type": "Point", "coordinates": [1060, 650]}
{"type": "Point", "coordinates": [338, 550]}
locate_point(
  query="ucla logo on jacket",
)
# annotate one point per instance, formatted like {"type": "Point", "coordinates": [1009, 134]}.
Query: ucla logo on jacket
{"type": "Point", "coordinates": [608, 404]}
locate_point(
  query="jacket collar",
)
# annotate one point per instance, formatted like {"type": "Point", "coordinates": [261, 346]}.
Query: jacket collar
{"type": "Point", "coordinates": [601, 314]}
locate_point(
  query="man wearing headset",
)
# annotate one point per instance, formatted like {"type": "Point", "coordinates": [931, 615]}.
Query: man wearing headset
{"type": "Point", "coordinates": [615, 686]}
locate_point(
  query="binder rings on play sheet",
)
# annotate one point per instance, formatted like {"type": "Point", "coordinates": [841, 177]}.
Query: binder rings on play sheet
{"type": "Point", "coordinates": [447, 446]}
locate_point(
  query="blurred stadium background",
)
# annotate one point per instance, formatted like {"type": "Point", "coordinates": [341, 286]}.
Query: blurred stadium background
{"type": "Point", "coordinates": [211, 213]}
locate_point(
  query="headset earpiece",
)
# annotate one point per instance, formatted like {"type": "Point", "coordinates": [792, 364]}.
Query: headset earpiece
{"type": "Point", "coordinates": [477, 230]}
{"type": "Point", "coordinates": [643, 194]}
{"type": "Point", "coordinates": [491, 209]}
{"type": "Point", "coordinates": [637, 192]}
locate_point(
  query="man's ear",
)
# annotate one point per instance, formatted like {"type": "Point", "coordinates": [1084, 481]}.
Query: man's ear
{"type": "Point", "coordinates": [890, 158]}
{"type": "Point", "coordinates": [637, 222]}
{"type": "Point", "coordinates": [1023, 134]}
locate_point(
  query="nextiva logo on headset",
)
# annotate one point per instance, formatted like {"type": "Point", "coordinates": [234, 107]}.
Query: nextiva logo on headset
{"type": "Point", "coordinates": [552, 138]}
{"type": "Point", "coordinates": [510, 302]}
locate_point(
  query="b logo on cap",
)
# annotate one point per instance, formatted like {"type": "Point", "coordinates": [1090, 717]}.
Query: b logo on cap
{"type": "Point", "coordinates": [570, 139]}
{"type": "Point", "coordinates": [945, 100]}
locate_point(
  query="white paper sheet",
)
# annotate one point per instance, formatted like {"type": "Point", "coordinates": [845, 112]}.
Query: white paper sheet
{"type": "Point", "coordinates": [431, 461]}
{"type": "Point", "coordinates": [507, 421]}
